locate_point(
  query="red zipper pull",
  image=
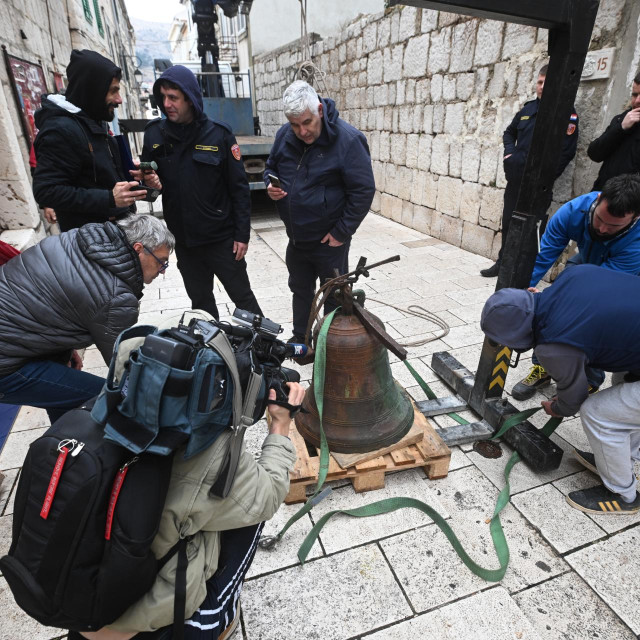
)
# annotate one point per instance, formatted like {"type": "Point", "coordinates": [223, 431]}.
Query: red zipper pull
{"type": "Point", "coordinates": [115, 492]}
{"type": "Point", "coordinates": [55, 476]}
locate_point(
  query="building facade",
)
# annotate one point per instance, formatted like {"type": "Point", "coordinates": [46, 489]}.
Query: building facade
{"type": "Point", "coordinates": [270, 24]}
{"type": "Point", "coordinates": [434, 91]}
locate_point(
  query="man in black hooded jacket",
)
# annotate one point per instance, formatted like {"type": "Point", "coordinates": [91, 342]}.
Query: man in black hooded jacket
{"type": "Point", "coordinates": [79, 171]}
{"type": "Point", "coordinates": [205, 192]}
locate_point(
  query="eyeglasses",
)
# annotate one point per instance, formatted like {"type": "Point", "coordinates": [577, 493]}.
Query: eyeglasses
{"type": "Point", "coordinates": [164, 264]}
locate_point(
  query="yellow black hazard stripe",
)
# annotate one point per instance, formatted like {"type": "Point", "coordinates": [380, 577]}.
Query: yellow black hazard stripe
{"type": "Point", "coordinates": [499, 373]}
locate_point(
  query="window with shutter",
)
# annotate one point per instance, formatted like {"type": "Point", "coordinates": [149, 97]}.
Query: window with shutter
{"type": "Point", "coordinates": [87, 11]}
{"type": "Point", "coordinates": [99, 22]}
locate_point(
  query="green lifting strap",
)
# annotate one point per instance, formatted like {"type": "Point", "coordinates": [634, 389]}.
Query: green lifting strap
{"type": "Point", "coordinates": [319, 368]}
{"type": "Point", "coordinates": [393, 504]}
{"type": "Point", "coordinates": [429, 393]}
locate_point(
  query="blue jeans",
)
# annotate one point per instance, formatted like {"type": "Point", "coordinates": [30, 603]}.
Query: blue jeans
{"type": "Point", "coordinates": [49, 385]}
{"type": "Point", "coordinates": [595, 377]}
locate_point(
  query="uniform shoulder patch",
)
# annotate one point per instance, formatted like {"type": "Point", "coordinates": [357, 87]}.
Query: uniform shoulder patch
{"type": "Point", "coordinates": [571, 129]}
{"type": "Point", "coordinates": [235, 152]}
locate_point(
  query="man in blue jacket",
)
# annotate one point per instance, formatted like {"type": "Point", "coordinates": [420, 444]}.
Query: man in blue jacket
{"type": "Point", "coordinates": [326, 188]}
{"type": "Point", "coordinates": [604, 226]}
{"type": "Point", "coordinates": [517, 140]}
{"type": "Point", "coordinates": [607, 336]}
{"type": "Point", "coordinates": [205, 193]}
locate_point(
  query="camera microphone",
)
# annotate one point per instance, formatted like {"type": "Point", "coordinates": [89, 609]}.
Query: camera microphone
{"type": "Point", "coordinates": [291, 349]}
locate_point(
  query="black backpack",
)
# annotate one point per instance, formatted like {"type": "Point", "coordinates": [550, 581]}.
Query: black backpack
{"type": "Point", "coordinates": [86, 513]}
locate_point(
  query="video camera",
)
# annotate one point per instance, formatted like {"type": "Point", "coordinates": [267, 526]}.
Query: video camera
{"type": "Point", "coordinates": [255, 343]}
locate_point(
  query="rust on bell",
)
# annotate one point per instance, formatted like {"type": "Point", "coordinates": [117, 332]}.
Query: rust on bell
{"type": "Point", "coordinates": [364, 408]}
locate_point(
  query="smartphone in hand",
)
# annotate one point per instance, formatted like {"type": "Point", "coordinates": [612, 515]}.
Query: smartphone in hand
{"type": "Point", "coordinates": [275, 181]}
{"type": "Point", "coordinates": [152, 194]}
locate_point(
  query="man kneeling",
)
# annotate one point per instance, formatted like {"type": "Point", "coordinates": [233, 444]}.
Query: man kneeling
{"type": "Point", "coordinates": [224, 531]}
{"type": "Point", "coordinates": [607, 337]}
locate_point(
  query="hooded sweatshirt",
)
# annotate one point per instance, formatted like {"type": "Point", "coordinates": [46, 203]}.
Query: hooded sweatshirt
{"type": "Point", "coordinates": [587, 318]}
{"type": "Point", "coordinates": [90, 76]}
{"type": "Point", "coordinates": [205, 192]}
{"type": "Point", "coordinates": [329, 183]}
{"type": "Point", "coordinates": [78, 160]}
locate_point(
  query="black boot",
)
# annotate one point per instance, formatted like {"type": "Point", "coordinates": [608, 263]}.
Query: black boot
{"type": "Point", "coordinates": [492, 271]}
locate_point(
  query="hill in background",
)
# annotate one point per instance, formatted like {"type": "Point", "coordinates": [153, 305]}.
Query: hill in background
{"type": "Point", "coordinates": [152, 41]}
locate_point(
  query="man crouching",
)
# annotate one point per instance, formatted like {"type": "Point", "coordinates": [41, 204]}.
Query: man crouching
{"type": "Point", "coordinates": [224, 532]}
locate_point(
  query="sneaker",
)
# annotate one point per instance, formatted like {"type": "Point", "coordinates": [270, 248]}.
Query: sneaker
{"type": "Point", "coordinates": [536, 379]}
{"type": "Point", "coordinates": [600, 500]}
{"type": "Point", "coordinates": [490, 272]}
{"type": "Point", "coordinates": [586, 459]}
{"type": "Point", "coordinates": [233, 627]}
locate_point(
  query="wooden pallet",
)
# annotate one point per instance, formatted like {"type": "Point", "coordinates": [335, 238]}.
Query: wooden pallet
{"type": "Point", "coordinates": [430, 452]}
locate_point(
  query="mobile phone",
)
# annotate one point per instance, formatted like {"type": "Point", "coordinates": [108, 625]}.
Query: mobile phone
{"type": "Point", "coordinates": [152, 194]}
{"type": "Point", "coordinates": [275, 181]}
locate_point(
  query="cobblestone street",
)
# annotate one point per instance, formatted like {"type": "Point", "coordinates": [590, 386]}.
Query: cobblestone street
{"type": "Point", "coordinates": [395, 577]}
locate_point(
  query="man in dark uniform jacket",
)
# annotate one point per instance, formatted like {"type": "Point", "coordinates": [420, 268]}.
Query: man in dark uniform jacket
{"type": "Point", "coordinates": [205, 192]}
{"type": "Point", "coordinates": [517, 140]}
{"type": "Point", "coordinates": [79, 173]}
{"type": "Point", "coordinates": [618, 148]}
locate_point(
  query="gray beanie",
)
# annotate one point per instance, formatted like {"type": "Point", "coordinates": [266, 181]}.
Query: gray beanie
{"type": "Point", "coordinates": [507, 318]}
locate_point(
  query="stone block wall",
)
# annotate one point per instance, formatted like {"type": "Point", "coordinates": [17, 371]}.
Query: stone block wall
{"type": "Point", "coordinates": [433, 93]}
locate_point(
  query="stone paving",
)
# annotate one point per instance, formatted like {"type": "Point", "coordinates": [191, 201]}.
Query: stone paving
{"type": "Point", "coordinates": [395, 577]}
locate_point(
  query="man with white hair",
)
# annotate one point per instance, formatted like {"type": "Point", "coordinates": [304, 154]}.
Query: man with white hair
{"type": "Point", "coordinates": [69, 291]}
{"type": "Point", "coordinates": [324, 189]}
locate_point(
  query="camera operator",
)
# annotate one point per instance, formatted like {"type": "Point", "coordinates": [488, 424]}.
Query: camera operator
{"type": "Point", "coordinates": [224, 531]}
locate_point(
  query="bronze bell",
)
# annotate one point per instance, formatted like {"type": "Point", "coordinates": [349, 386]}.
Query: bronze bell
{"type": "Point", "coordinates": [364, 408]}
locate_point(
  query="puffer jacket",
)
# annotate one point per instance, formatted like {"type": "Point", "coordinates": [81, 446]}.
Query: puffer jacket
{"type": "Point", "coordinates": [571, 222]}
{"type": "Point", "coordinates": [256, 494]}
{"type": "Point", "coordinates": [329, 184]}
{"type": "Point", "coordinates": [68, 292]}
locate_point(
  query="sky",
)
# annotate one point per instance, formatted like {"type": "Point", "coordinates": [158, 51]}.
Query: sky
{"type": "Point", "coordinates": [153, 10]}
